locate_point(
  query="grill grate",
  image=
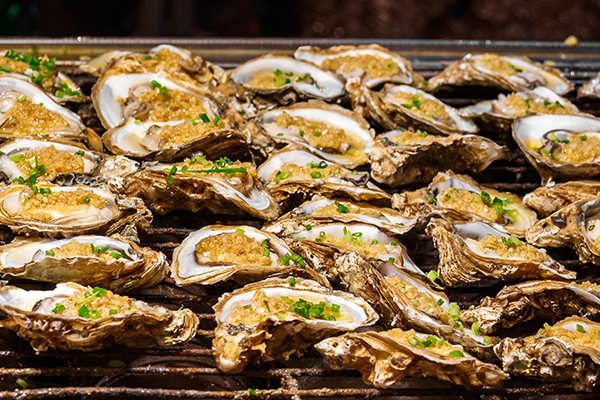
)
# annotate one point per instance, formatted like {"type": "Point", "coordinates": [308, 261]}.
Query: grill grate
{"type": "Point", "coordinates": [190, 372]}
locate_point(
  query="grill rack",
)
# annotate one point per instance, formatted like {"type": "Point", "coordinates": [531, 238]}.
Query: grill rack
{"type": "Point", "coordinates": [190, 372]}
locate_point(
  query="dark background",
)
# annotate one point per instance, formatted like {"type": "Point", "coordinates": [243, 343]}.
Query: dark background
{"type": "Point", "coordinates": [402, 19]}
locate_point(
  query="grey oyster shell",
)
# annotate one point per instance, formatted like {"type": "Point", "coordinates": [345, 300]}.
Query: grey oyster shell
{"type": "Point", "coordinates": [547, 200]}
{"type": "Point", "coordinates": [590, 89]}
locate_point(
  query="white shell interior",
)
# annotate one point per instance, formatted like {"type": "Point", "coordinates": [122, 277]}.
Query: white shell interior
{"type": "Point", "coordinates": [298, 157]}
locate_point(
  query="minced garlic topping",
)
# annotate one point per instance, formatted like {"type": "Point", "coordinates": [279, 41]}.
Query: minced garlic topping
{"type": "Point", "coordinates": [580, 149]}
{"type": "Point", "coordinates": [586, 285]}
{"type": "Point", "coordinates": [54, 161]}
{"type": "Point", "coordinates": [465, 200]}
{"type": "Point", "coordinates": [375, 65]}
{"type": "Point", "coordinates": [18, 67]}
{"type": "Point", "coordinates": [165, 59]}
{"type": "Point", "coordinates": [172, 135]}
{"type": "Point", "coordinates": [438, 345]}
{"type": "Point", "coordinates": [32, 119]}
{"type": "Point", "coordinates": [75, 248]}
{"type": "Point", "coordinates": [171, 106]}
{"type": "Point", "coordinates": [522, 106]}
{"type": "Point", "coordinates": [354, 241]}
{"type": "Point", "coordinates": [94, 304]}
{"type": "Point", "coordinates": [233, 247]}
{"type": "Point", "coordinates": [506, 249]}
{"type": "Point", "coordinates": [289, 170]}
{"type": "Point", "coordinates": [41, 207]}
{"type": "Point", "coordinates": [274, 79]}
{"type": "Point", "coordinates": [410, 137]}
{"type": "Point", "coordinates": [590, 336]}
{"type": "Point", "coordinates": [421, 105]}
{"type": "Point", "coordinates": [344, 208]}
{"type": "Point", "coordinates": [321, 135]}
{"type": "Point", "coordinates": [493, 62]}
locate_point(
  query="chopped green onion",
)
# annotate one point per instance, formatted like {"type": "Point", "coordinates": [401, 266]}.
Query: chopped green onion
{"type": "Point", "coordinates": [316, 175]}
{"type": "Point", "coordinates": [17, 157]}
{"type": "Point", "coordinates": [267, 253]}
{"type": "Point", "coordinates": [113, 311]}
{"type": "Point", "coordinates": [137, 122]}
{"type": "Point", "coordinates": [86, 199]}
{"type": "Point", "coordinates": [432, 275]}
{"type": "Point", "coordinates": [394, 243]}
{"type": "Point", "coordinates": [4, 69]}
{"type": "Point", "coordinates": [281, 175]}
{"type": "Point", "coordinates": [454, 311]}
{"type": "Point", "coordinates": [58, 308]}
{"type": "Point", "coordinates": [456, 353]}
{"type": "Point", "coordinates": [50, 253]}
{"type": "Point", "coordinates": [204, 117]}
{"type": "Point", "coordinates": [292, 281]}
{"type": "Point", "coordinates": [252, 391]}
{"type": "Point", "coordinates": [308, 227]}
{"type": "Point", "coordinates": [83, 311]}
{"type": "Point", "coordinates": [583, 137]}
{"type": "Point", "coordinates": [266, 303]}
{"type": "Point", "coordinates": [217, 120]}
{"type": "Point", "coordinates": [547, 327]}
{"type": "Point", "coordinates": [392, 259]}
{"type": "Point", "coordinates": [22, 383]}
{"type": "Point", "coordinates": [580, 328]}
{"type": "Point", "coordinates": [475, 328]}
{"type": "Point", "coordinates": [80, 153]}
{"type": "Point", "coordinates": [280, 317]}
{"type": "Point", "coordinates": [431, 200]}
{"type": "Point", "coordinates": [285, 259]}
{"type": "Point", "coordinates": [440, 302]}
{"type": "Point", "coordinates": [116, 254]}
{"type": "Point", "coordinates": [591, 228]}
{"type": "Point", "coordinates": [301, 133]}
{"type": "Point", "coordinates": [341, 208]}
{"type": "Point", "coordinates": [247, 307]}
{"type": "Point", "coordinates": [240, 230]}
{"type": "Point", "coordinates": [21, 98]}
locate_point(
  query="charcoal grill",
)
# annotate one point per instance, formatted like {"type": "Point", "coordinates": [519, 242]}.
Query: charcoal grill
{"type": "Point", "coordinates": [190, 372]}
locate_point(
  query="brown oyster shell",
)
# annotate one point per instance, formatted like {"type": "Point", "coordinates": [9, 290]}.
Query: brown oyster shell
{"type": "Point", "coordinates": [547, 200]}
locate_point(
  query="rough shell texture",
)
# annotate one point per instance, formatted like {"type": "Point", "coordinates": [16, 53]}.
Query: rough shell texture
{"type": "Point", "coordinates": [590, 89]}
{"type": "Point", "coordinates": [524, 301]}
{"type": "Point", "coordinates": [276, 338]}
{"type": "Point", "coordinates": [547, 200]}
{"type": "Point", "coordinates": [461, 265]}
{"type": "Point", "coordinates": [149, 327]}
{"type": "Point", "coordinates": [384, 361]}
{"type": "Point", "coordinates": [396, 164]}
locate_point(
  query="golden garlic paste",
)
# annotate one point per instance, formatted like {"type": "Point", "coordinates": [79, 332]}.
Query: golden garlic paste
{"type": "Point", "coordinates": [493, 62]}
{"type": "Point", "coordinates": [233, 247]}
{"type": "Point", "coordinates": [580, 149]}
{"type": "Point", "coordinates": [96, 303]}
{"type": "Point", "coordinates": [75, 248]}
{"type": "Point", "coordinates": [263, 306]}
{"type": "Point", "coordinates": [438, 346]}
{"type": "Point", "coordinates": [274, 79]}
{"type": "Point", "coordinates": [422, 106]}
{"type": "Point", "coordinates": [172, 135]}
{"type": "Point", "coordinates": [354, 241]}
{"type": "Point", "coordinates": [239, 181]}
{"type": "Point", "coordinates": [165, 59]}
{"type": "Point", "coordinates": [17, 67]}
{"type": "Point", "coordinates": [585, 285]}
{"type": "Point", "coordinates": [465, 200]}
{"type": "Point", "coordinates": [345, 208]}
{"type": "Point", "coordinates": [32, 119]}
{"type": "Point", "coordinates": [42, 207]}
{"type": "Point", "coordinates": [54, 161]}
{"type": "Point", "coordinates": [321, 135]}
{"type": "Point", "coordinates": [174, 105]}
{"type": "Point", "coordinates": [522, 106]}
{"type": "Point", "coordinates": [421, 300]}
{"type": "Point", "coordinates": [590, 337]}
{"type": "Point", "coordinates": [376, 66]}
{"type": "Point", "coordinates": [289, 170]}
{"type": "Point", "coordinates": [410, 137]}
{"type": "Point", "coordinates": [504, 250]}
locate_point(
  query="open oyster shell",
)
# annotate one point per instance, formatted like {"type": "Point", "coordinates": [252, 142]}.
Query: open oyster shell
{"type": "Point", "coordinates": [443, 197]}
{"type": "Point", "coordinates": [590, 89]}
{"type": "Point", "coordinates": [196, 191]}
{"type": "Point", "coordinates": [464, 261]}
{"type": "Point", "coordinates": [519, 303]}
{"type": "Point", "coordinates": [385, 358]}
{"type": "Point", "coordinates": [560, 147]}
{"type": "Point", "coordinates": [577, 224]}
{"type": "Point", "coordinates": [128, 267]}
{"type": "Point", "coordinates": [329, 180]}
{"type": "Point", "coordinates": [566, 351]}
{"type": "Point", "coordinates": [321, 210]}
{"type": "Point", "coordinates": [284, 332]}
{"type": "Point", "coordinates": [510, 73]}
{"type": "Point", "coordinates": [401, 158]}
{"type": "Point", "coordinates": [547, 200]}
{"type": "Point", "coordinates": [29, 314]}
{"type": "Point", "coordinates": [374, 64]}
{"type": "Point", "coordinates": [55, 218]}
{"type": "Point", "coordinates": [337, 134]}
{"type": "Point", "coordinates": [192, 267]}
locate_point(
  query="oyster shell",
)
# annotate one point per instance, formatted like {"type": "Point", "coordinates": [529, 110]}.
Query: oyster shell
{"type": "Point", "coordinates": [166, 187]}
{"type": "Point", "coordinates": [548, 199]}
{"type": "Point", "coordinates": [573, 225]}
{"type": "Point", "coordinates": [239, 340]}
{"type": "Point", "coordinates": [510, 73]}
{"type": "Point", "coordinates": [467, 255]}
{"type": "Point", "coordinates": [192, 265]}
{"type": "Point", "coordinates": [60, 211]}
{"type": "Point", "coordinates": [405, 157]}
{"type": "Point", "coordinates": [566, 351]}
{"type": "Point", "coordinates": [374, 64]}
{"type": "Point", "coordinates": [34, 316]}
{"type": "Point", "coordinates": [590, 89]}
{"type": "Point", "coordinates": [519, 303]}
{"type": "Point", "coordinates": [460, 198]}
{"type": "Point", "coordinates": [329, 131]}
{"type": "Point", "coordinates": [322, 210]}
{"type": "Point", "coordinates": [384, 358]}
{"type": "Point", "coordinates": [560, 147]}
{"type": "Point", "coordinates": [125, 265]}
{"type": "Point", "coordinates": [322, 178]}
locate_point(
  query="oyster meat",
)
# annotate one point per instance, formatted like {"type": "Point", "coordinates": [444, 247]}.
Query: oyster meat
{"type": "Point", "coordinates": [76, 317]}
{"type": "Point", "coordinates": [472, 251]}
{"type": "Point", "coordinates": [510, 73]}
{"type": "Point", "coordinates": [566, 351]}
{"type": "Point", "coordinates": [404, 157]}
{"type": "Point", "coordinates": [275, 318]}
{"type": "Point", "coordinates": [385, 358]}
{"type": "Point", "coordinates": [115, 262]}
{"type": "Point", "coordinates": [547, 200]}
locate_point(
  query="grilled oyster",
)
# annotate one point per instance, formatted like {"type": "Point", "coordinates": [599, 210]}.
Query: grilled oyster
{"type": "Point", "coordinates": [374, 64]}
{"type": "Point", "coordinates": [473, 251]}
{"type": "Point", "coordinates": [275, 318]}
{"type": "Point", "coordinates": [524, 301]}
{"type": "Point", "coordinates": [460, 198]}
{"type": "Point", "coordinates": [216, 253]}
{"type": "Point", "coordinates": [510, 73]}
{"type": "Point", "coordinates": [115, 262]}
{"type": "Point", "coordinates": [548, 199]}
{"type": "Point", "coordinates": [590, 89]}
{"type": "Point", "coordinates": [322, 210]}
{"type": "Point", "coordinates": [76, 317]}
{"type": "Point", "coordinates": [60, 211]}
{"type": "Point", "coordinates": [560, 147]}
{"type": "Point", "coordinates": [404, 157]}
{"type": "Point", "coordinates": [330, 131]}
{"type": "Point", "coordinates": [573, 225]}
{"type": "Point", "coordinates": [566, 351]}
{"type": "Point", "coordinates": [294, 174]}
{"type": "Point", "coordinates": [384, 358]}
{"type": "Point", "coordinates": [499, 114]}
{"type": "Point", "coordinates": [197, 184]}
{"type": "Point", "coordinates": [63, 162]}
